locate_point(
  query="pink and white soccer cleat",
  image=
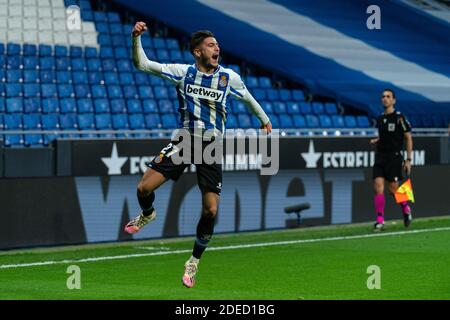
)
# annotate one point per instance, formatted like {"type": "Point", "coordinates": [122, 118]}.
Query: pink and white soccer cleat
{"type": "Point", "coordinates": [139, 222]}
{"type": "Point", "coordinates": [190, 269]}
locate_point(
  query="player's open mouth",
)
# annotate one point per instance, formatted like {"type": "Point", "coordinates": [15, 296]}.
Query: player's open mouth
{"type": "Point", "coordinates": [215, 57]}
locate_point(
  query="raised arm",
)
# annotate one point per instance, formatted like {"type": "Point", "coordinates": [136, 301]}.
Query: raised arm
{"type": "Point", "coordinates": [140, 60]}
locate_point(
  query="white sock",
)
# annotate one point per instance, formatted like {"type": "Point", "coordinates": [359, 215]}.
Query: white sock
{"type": "Point", "coordinates": [194, 260]}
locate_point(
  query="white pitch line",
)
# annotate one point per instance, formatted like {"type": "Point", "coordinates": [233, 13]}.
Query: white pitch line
{"type": "Point", "coordinates": [242, 246]}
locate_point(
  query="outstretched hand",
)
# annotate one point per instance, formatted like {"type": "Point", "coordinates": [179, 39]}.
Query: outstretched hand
{"type": "Point", "coordinates": [267, 127]}
{"type": "Point", "coordinates": [139, 28]}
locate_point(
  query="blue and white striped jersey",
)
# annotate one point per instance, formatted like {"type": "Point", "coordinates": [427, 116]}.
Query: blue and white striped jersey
{"type": "Point", "coordinates": [202, 97]}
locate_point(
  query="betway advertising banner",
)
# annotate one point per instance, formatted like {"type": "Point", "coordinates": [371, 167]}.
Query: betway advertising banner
{"type": "Point", "coordinates": [73, 210]}
{"type": "Point", "coordinates": [128, 157]}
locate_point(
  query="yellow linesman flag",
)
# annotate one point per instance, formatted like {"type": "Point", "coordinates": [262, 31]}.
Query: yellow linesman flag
{"type": "Point", "coordinates": [404, 192]}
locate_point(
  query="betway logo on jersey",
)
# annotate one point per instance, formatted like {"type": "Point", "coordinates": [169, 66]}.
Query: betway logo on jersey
{"type": "Point", "coordinates": [204, 93]}
{"type": "Point", "coordinates": [349, 159]}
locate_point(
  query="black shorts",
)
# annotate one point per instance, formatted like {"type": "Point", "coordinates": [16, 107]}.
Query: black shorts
{"type": "Point", "coordinates": [388, 166]}
{"type": "Point", "coordinates": [209, 176]}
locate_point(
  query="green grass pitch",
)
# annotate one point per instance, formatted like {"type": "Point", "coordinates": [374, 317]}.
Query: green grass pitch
{"type": "Point", "coordinates": [309, 263]}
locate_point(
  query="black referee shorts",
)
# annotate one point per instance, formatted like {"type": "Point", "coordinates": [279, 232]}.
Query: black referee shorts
{"type": "Point", "coordinates": [209, 176]}
{"type": "Point", "coordinates": [388, 166]}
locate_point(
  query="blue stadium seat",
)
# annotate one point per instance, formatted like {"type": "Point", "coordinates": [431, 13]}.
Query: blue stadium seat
{"type": "Point", "coordinates": [292, 107]}
{"type": "Point", "coordinates": [264, 82]}
{"type": "Point", "coordinates": [82, 91]}
{"type": "Point", "coordinates": [286, 121]}
{"type": "Point", "coordinates": [29, 49]}
{"type": "Point", "coordinates": [350, 121]}
{"type": "Point", "coordinates": [136, 121]}
{"type": "Point", "coordinates": [161, 92]}
{"type": "Point", "coordinates": [163, 55]}
{"type": "Point", "coordinates": [115, 91]}
{"type": "Point", "coordinates": [312, 121]}
{"type": "Point", "coordinates": [78, 64]}
{"type": "Point", "coordinates": [338, 121]}
{"type": "Point", "coordinates": [317, 108]}
{"type": "Point", "coordinates": [298, 95]}
{"type": "Point", "coordinates": [299, 121]}
{"type": "Point", "coordinates": [102, 27]}
{"type": "Point", "coordinates": [30, 63]}
{"type": "Point", "coordinates": [104, 40]}
{"type": "Point", "coordinates": [166, 106]}
{"type": "Point", "coordinates": [14, 76]}
{"type": "Point", "coordinates": [120, 121]}
{"type": "Point", "coordinates": [2, 105]}
{"type": "Point", "coordinates": [279, 107]}
{"type": "Point", "coordinates": [231, 122]}
{"type": "Point", "coordinates": [45, 50]}
{"type": "Point", "coordinates": [172, 44]}
{"type": "Point", "coordinates": [32, 105]}
{"type": "Point", "coordinates": [126, 78]}
{"type": "Point", "coordinates": [134, 106]}
{"type": "Point", "coordinates": [118, 106]}
{"type": "Point", "coordinates": [156, 81]}
{"type": "Point", "coordinates": [113, 17]}
{"type": "Point", "coordinates": [274, 120]}
{"type": "Point", "coordinates": [95, 78]}
{"type": "Point", "coordinates": [149, 106]}
{"type": "Point", "coordinates": [85, 106]}
{"type": "Point", "coordinates": [121, 53]}
{"type": "Point", "coordinates": [30, 76]}
{"type": "Point", "coordinates": [142, 78]}
{"type": "Point", "coordinates": [68, 105]}
{"type": "Point", "coordinates": [13, 140]}
{"type": "Point", "coordinates": [99, 91]}
{"type": "Point", "coordinates": [115, 28]}
{"type": "Point", "coordinates": [12, 121]}
{"type": "Point", "coordinates": [331, 108]}
{"type": "Point", "coordinates": [48, 90]}
{"type": "Point", "coordinates": [76, 51]}
{"type": "Point", "coordinates": [106, 52]}
{"type": "Point", "coordinates": [124, 65]}
{"type": "Point", "coordinates": [33, 140]}
{"type": "Point", "coordinates": [90, 52]}
{"type": "Point", "coordinates": [159, 43]}
{"type": "Point", "coordinates": [176, 56]}
{"type": "Point", "coordinates": [244, 121]}
{"type": "Point", "coordinates": [86, 121]}
{"type": "Point", "coordinates": [362, 121]}
{"type": "Point", "coordinates": [13, 62]}
{"type": "Point", "coordinates": [251, 82]}
{"type": "Point", "coordinates": [285, 94]}
{"type": "Point", "coordinates": [173, 94]}
{"type": "Point", "coordinates": [14, 105]}
{"type": "Point", "coordinates": [63, 63]}
{"type": "Point", "coordinates": [109, 65]}
{"type": "Point", "coordinates": [259, 94]}
{"type": "Point", "coordinates": [118, 40]}
{"type": "Point", "coordinates": [101, 106]}
{"type": "Point", "coordinates": [103, 121]}
{"type": "Point", "coordinates": [239, 107]}
{"type": "Point", "coordinates": [50, 105]}
{"type": "Point", "coordinates": [65, 91]}
{"type": "Point", "coordinates": [80, 77]}
{"type": "Point", "coordinates": [111, 78]}
{"type": "Point", "coordinates": [68, 121]}
{"type": "Point", "coordinates": [31, 90]}
{"type": "Point", "coordinates": [50, 121]}
{"type": "Point", "coordinates": [13, 49]}
{"type": "Point", "coordinates": [305, 107]}
{"type": "Point", "coordinates": [13, 89]}
{"type": "Point", "coordinates": [47, 76]}
{"type": "Point", "coordinates": [145, 92]}
{"type": "Point", "coordinates": [94, 64]}
{"type": "Point", "coordinates": [61, 51]}
{"type": "Point", "coordinates": [325, 121]}
{"type": "Point", "coordinates": [267, 106]}
{"type": "Point", "coordinates": [31, 121]}
{"type": "Point", "coordinates": [47, 63]}
{"type": "Point", "coordinates": [153, 121]}
{"type": "Point", "coordinates": [64, 77]}
{"type": "Point", "coordinates": [130, 92]}
{"type": "Point", "coordinates": [272, 95]}
{"type": "Point", "coordinates": [169, 121]}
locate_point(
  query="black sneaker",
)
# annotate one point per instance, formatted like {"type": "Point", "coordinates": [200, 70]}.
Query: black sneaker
{"type": "Point", "coordinates": [407, 219]}
{"type": "Point", "coordinates": [378, 226]}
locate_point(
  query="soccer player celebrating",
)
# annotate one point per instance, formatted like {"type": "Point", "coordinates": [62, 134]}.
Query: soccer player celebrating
{"type": "Point", "coordinates": [393, 129]}
{"type": "Point", "coordinates": [203, 89]}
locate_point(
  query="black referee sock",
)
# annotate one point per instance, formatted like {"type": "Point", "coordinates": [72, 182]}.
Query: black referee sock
{"type": "Point", "coordinates": [146, 202]}
{"type": "Point", "coordinates": [205, 229]}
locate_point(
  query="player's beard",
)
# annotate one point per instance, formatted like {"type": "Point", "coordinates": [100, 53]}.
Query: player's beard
{"type": "Point", "coordinates": [207, 64]}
